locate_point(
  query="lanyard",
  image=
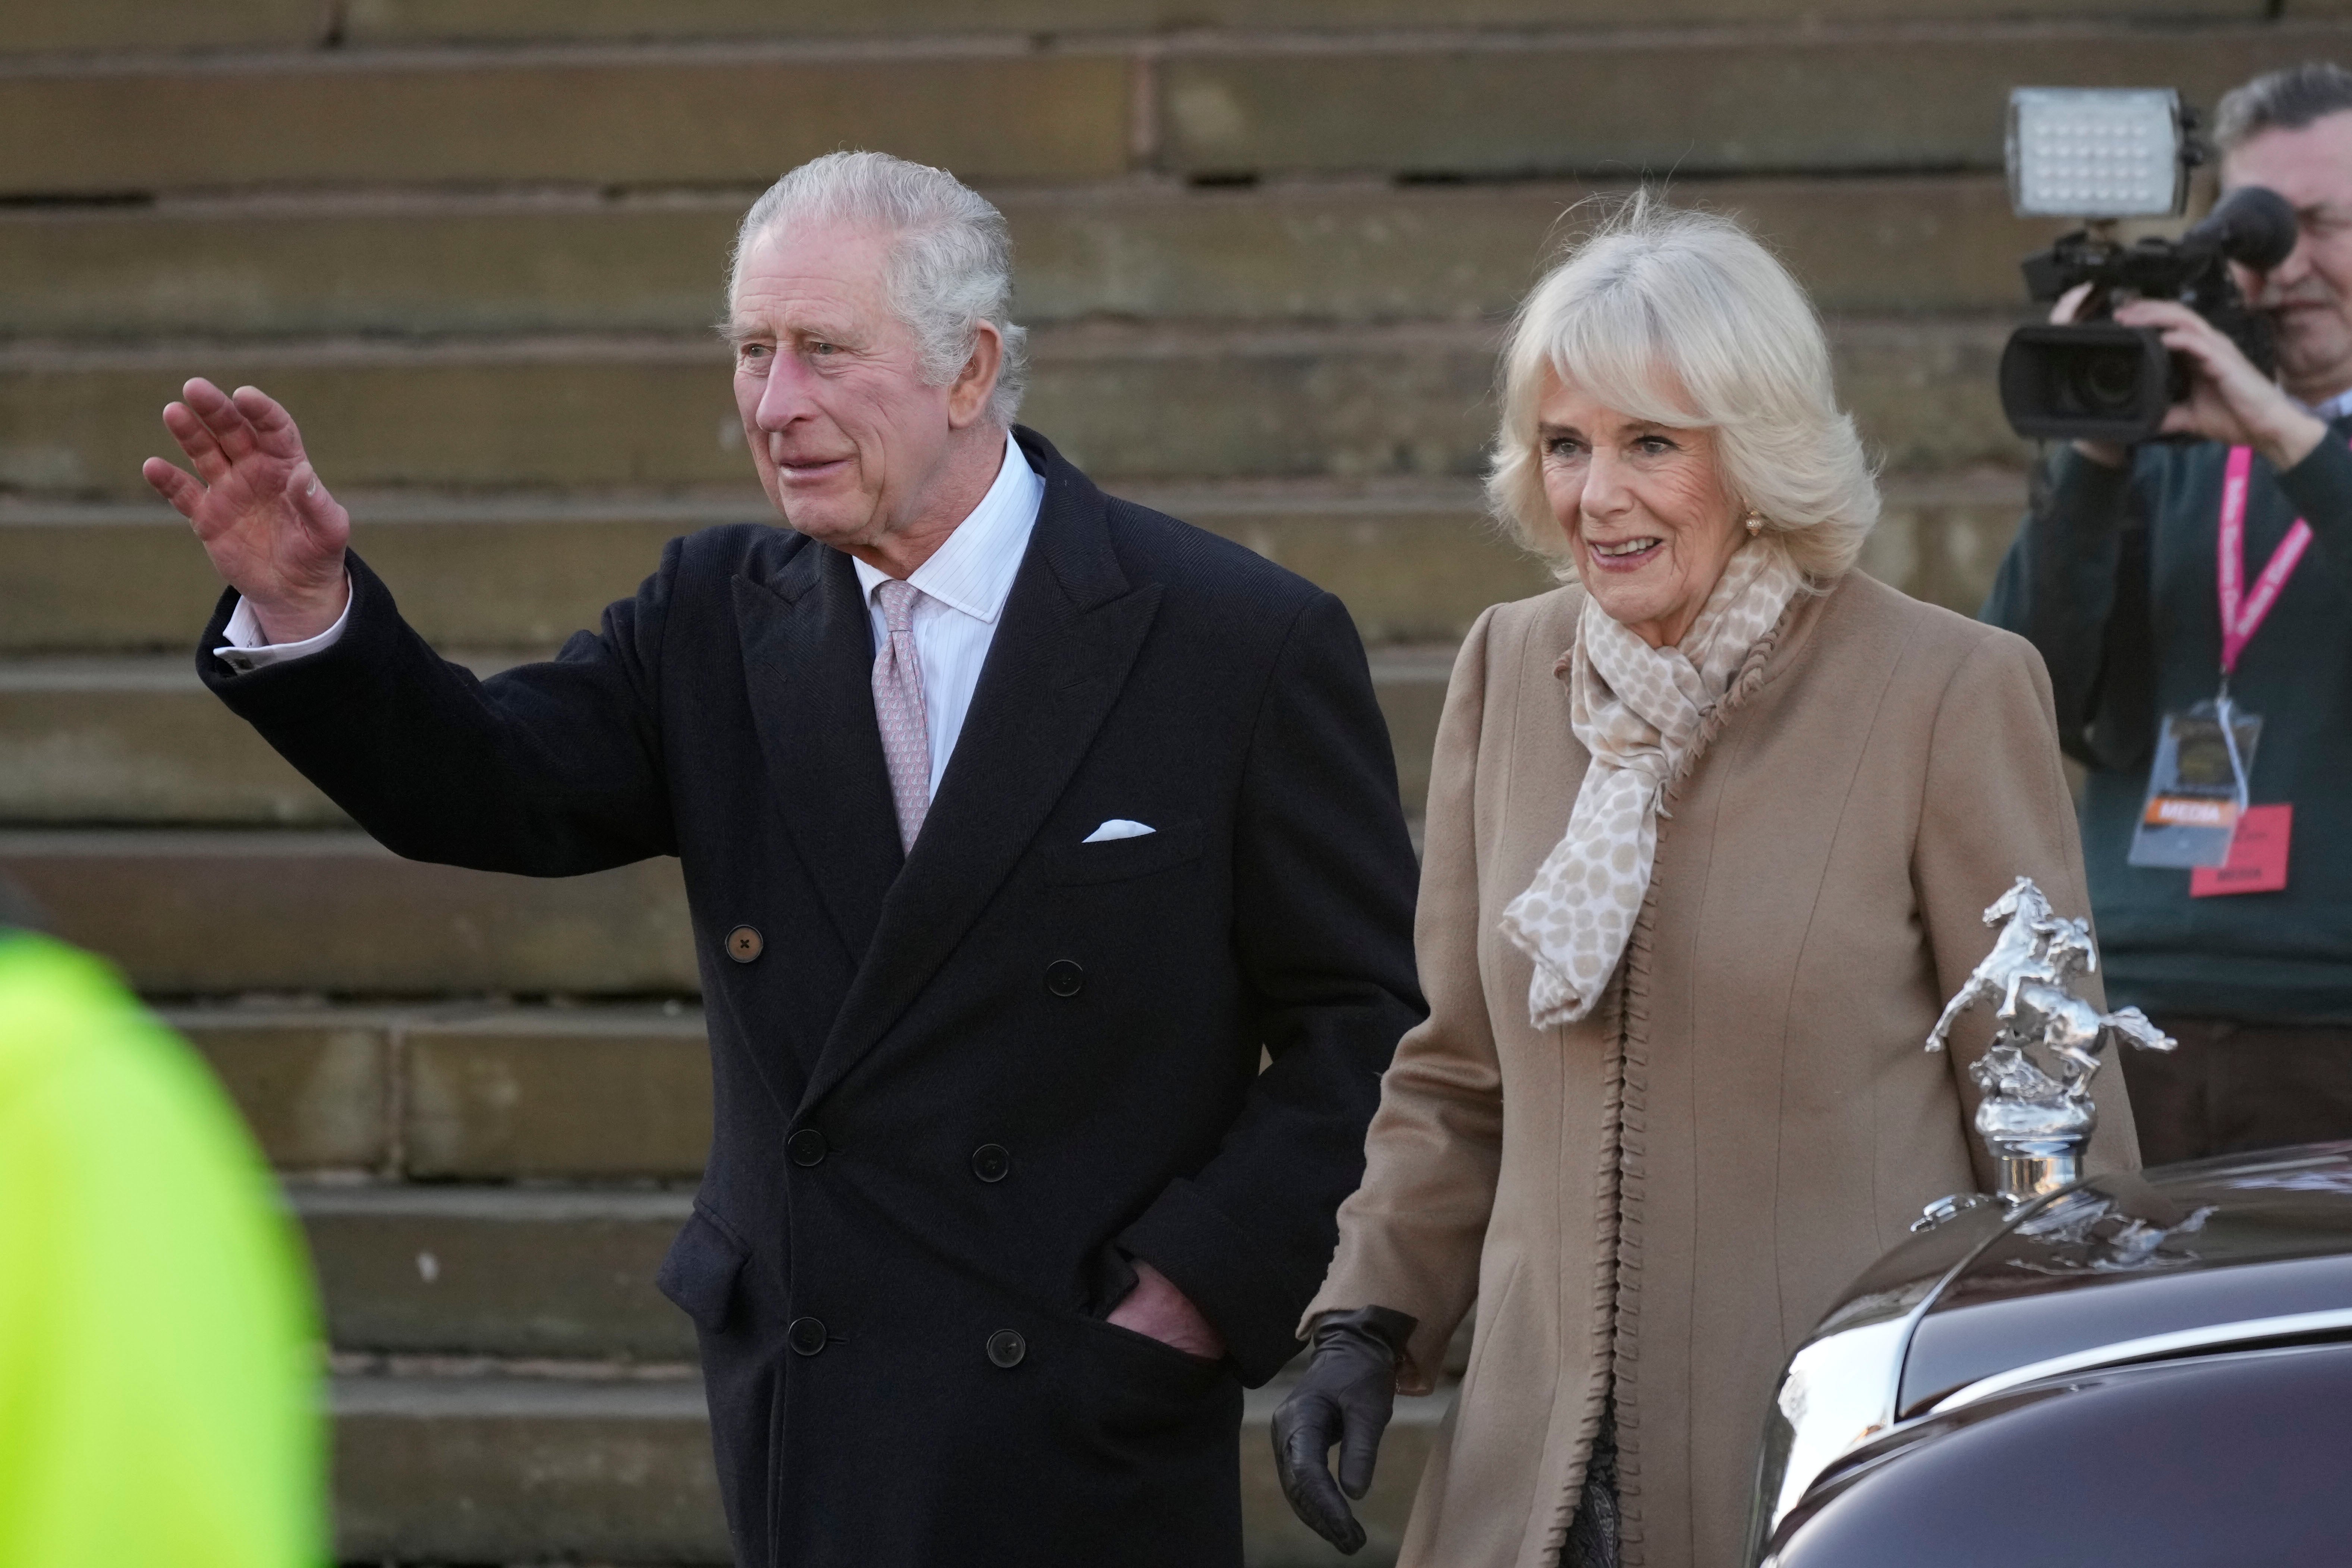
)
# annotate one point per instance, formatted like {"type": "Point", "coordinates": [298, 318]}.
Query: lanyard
{"type": "Point", "coordinates": [2243, 613]}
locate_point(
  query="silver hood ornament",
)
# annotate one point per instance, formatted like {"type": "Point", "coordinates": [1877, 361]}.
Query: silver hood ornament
{"type": "Point", "coordinates": [2037, 1115]}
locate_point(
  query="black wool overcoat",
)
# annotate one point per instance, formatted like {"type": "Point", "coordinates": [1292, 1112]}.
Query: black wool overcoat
{"type": "Point", "coordinates": [957, 1090]}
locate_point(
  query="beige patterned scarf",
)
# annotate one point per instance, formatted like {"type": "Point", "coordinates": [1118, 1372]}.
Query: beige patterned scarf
{"type": "Point", "coordinates": [1639, 711]}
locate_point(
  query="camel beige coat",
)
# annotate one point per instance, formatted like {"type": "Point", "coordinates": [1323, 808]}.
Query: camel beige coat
{"type": "Point", "coordinates": [1674, 1189]}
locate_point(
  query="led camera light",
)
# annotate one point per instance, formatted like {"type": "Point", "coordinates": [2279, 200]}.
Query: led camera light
{"type": "Point", "coordinates": [2095, 153]}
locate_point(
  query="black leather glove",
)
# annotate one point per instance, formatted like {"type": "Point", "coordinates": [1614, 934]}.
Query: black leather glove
{"type": "Point", "coordinates": [1345, 1397]}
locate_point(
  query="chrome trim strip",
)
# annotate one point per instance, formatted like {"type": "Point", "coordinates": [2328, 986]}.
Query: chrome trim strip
{"type": "Point", "coordinates": [2145, 1348]}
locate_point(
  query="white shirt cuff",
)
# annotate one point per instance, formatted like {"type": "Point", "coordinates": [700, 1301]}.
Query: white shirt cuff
{"type": "Point", "coordinates": [247, 652]}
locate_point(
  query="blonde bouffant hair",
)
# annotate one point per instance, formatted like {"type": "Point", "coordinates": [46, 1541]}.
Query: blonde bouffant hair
{"type": "Point", "coordinates": [1682, 317]}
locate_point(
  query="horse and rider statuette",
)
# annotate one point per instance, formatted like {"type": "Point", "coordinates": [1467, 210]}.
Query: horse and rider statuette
{"type": "Point", "coordinates": [2037, 1114]}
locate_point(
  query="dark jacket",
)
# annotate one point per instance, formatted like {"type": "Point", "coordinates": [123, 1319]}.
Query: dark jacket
{"type": "Point", "coordinates": [2113, 578]}
{"type": "Point", "coordinates": [950, 1093]}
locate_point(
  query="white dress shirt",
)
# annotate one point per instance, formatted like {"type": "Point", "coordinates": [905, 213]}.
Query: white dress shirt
{"type": "Point", "coordinates": [963, 587]}
{"type": "Point", "coordinates": [246, 651]}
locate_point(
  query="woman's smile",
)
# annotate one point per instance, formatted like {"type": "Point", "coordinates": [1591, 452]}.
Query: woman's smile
{"type": "Point", "coordinates": [1626, 554]}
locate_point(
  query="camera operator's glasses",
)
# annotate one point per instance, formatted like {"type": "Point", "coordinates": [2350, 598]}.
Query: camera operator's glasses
{"type": "Point", "coordinates": [2097, 153]}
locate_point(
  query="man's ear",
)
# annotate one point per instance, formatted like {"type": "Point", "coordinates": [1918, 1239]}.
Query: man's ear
{"type": "Point", "coordinates": [976, 383]}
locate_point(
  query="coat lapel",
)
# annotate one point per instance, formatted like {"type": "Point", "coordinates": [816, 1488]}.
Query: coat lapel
{"type": "Point", "coordinates": [1070, 632]}
{"type": "Point", "coordinates": [808, 661]}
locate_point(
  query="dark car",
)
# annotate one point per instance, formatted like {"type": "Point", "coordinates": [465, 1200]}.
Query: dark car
{"type": "Point", "coordinates": [2152, 1368]}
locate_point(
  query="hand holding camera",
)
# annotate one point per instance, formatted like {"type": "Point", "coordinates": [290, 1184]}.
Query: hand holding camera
{"type": "Point", "coordinates": [2228, 400]}
{"type": "Point", "coordinates": [2152, 340]}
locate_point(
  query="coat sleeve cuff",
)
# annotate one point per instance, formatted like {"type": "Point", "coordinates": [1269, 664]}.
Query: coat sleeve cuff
{"type": "Point", "coordinates": [292, 690]}
{"type": "Point", "coordinates": [1212, 1260]}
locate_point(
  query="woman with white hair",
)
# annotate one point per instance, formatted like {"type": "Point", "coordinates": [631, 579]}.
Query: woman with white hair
{"type": "Point", "coordinates": [1711, 830]}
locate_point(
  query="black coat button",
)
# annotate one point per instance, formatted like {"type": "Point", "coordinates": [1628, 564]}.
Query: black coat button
{"type": "Point", "coordinates": [1005, 1348]}
{"type": "Point", "coordinates": [806, 1335]}
{"type": "Point", "coordinates": [806, 1147]}
{"type": "Point", "coordinates": [1065, 978]}
{"type": "Point", "coordinates": [744, 944]}
{"type": "Point", "coordinates": [990, 1162]}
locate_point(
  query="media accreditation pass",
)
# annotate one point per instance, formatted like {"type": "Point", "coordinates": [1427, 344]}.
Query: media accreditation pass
{"type": "Point", "coordinates": [2198, 814]}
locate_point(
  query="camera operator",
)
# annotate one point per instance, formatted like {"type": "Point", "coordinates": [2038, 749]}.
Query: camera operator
{"type": "Point", "coordinates": [2122, 575]}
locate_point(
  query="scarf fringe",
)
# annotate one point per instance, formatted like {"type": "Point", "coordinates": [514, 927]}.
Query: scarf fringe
{"type": "Point", "coordinates": [1743, 685]}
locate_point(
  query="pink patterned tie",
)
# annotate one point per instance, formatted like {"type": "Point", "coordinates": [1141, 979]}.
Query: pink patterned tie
{"type": "Point", "coordinates": [898, 707]}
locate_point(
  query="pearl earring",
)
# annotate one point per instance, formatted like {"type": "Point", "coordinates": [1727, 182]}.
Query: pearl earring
{"type": "Point", "coordinates": [1755, 524]}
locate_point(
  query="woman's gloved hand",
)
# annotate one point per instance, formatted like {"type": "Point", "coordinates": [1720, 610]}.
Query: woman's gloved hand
{"type": "Point", "coordinates": [1345, 1397]}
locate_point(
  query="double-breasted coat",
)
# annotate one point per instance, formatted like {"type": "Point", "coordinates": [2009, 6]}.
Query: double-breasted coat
{"type": "Point", "coordinates": [955, 1089]}
{"type": "Point", "coordinates": [1664, 1198]}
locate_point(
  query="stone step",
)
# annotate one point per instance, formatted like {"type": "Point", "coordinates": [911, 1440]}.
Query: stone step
{"type": "Point", "coordinates": [156, 24]}
{"type": "Point", "coordinates": [727, 114]}
{"type": "Point", "coordinates": [1555, 97]}
{"type": "Point", "coordinates": [1133, 405]}
{"type": "Point", "coordinates": [221, 913]}
{"type": "Point", "coordinates": [461, 1092]}
{"type": "Point", "coordinates": [139, 741]}
{"type": "Point", "coordinates": [508, 1470]}
{"type": "Point", "coordinates": [1416, 561]}
{"type": "Point", "coordinates": [1861, 98]}
{"type": "Point", "coordinates": [491, 1468]}
{"type": "Point", "coordinates": [497, 1272]}
{"type": "Point", "coordinates": [331, 912]}
{"type": "Point", "coordinates": [424, 264]}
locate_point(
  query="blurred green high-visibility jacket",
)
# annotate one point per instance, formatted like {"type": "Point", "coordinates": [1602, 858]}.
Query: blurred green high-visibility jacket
{"type": "Point", "coordinates": [159, 1360]}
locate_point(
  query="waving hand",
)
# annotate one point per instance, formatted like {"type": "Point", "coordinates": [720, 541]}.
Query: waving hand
{"type": "Point", "coordinates": [272, 528]}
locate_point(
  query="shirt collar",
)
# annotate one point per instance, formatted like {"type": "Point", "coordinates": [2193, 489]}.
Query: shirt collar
{"type": "Point", "coordinates": [973, 571]}
{"type": "Point", "coordinates": [2335, 408]}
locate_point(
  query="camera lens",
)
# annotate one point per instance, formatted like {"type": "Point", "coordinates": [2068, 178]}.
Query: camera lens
{"type": "Point", "coordinates": [2104, 382]}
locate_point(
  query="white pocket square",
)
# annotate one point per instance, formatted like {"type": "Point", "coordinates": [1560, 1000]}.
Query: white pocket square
{"type": "Point", "coordinates": [1117, 827]}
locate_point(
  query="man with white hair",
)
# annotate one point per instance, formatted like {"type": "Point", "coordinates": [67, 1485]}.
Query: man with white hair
{"type": "Point", "coordinates": [1016, 821]}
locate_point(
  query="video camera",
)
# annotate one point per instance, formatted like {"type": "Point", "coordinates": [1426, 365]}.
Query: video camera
{"type": "Point", "coordinates": [2100, 154]}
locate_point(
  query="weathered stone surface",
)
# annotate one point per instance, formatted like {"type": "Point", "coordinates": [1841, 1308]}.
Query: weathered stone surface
{"type": "Point", "coordinates": [140, 742]}
{"type": "Point", "coordinates": [408, 20]}
{"type": "Point", "coordinates": [480, 573]}
{"type": "Point", "coordinates": [44, 24]}
{"type": "Point", "coordinates": [497, 1470]}
{"type": "Point", "coordinates": [100, 578]}
{"type": "Point", "coordinates": [478, 1092]}
{"type": "Point", "coordinates": [516, 1469]}
{"type": "Point", "coordinates": [718, 117]}
{"type": "Point", "coordinates": [1350, 251]}
{"type": "Point", "coordinates": [315, 1086]}
{"type": "Point", "coordinates": [1866, 100]}
{"type": "Point", "coordinates": [333, 912]}
{"type": "Point", "coordinates": [486, 415]}
{"type": "Point", "coordinates": [583, 1094]}
{"type": "Point", "coordinates": [1414, 562]}
{"type": "Point", "coordinates": [1942, 537]}
{"type": "Point", "coordinates": [118, 741]}
{"type": "Point", "coordinates": [497, 1270]}
{"type": "Point", "coordinates": [1130, 405]}
{"type": "Point", "coordinates": [414, 266]}
{"type": "Point", "coordinates": [1364, 252]}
